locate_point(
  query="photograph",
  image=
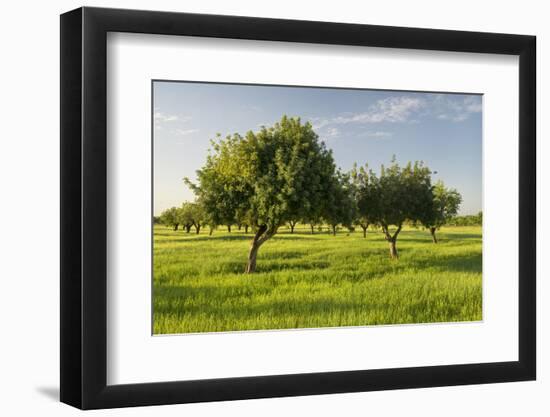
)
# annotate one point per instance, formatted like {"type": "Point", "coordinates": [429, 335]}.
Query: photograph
{"type": "Point", "coordinates": [254, 205]}
{"type": "Point", "coordinates": [296, 207]}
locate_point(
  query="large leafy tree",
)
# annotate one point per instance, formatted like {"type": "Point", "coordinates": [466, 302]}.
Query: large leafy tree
{"type": "Point", "coordinates": [446, 202]}
{"type": "Point", "coordinates": [402, 194]}
{"type": "Point", "coordinates": [339, 208]}
{"type": "Point", "coordinates": [271, 176]}
{"type": "Point", "coordinates": [219, 190]}
{"type": "Point", "coordinates": [365, 197]}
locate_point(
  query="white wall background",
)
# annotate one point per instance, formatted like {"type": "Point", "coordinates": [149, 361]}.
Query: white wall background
{"type": "Point", "coordinates": [29, 181]}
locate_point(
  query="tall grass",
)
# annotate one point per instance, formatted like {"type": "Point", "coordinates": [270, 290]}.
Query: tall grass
{"type": "Point", "coordinates": [319, 280]}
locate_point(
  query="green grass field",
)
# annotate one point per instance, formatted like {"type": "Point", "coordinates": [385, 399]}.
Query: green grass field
{"type": "Point", "coordinates": [320, 280]}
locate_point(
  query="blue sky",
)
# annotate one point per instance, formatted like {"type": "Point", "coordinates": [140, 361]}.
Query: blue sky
{"type": "Point", "coordinates": [363, 126]}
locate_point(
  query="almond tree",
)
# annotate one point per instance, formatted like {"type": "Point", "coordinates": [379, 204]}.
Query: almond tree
{"type": "Point", "coordinates": [446, 202]}
{"type": "Point", "coordinates": [185, 216]}
{"type": "Point", "coordinates": [339, 208]}
{"type": "Point", "coordinates": [292, 223]}
{"type": "Point", "coordinates": [274, 175]}
{"type": "Point", "coordinates": [364, 197]}
{"type": "Point", "coordinates": [171, 217]}
{"type": "Point", "coordinates": [401, 194]}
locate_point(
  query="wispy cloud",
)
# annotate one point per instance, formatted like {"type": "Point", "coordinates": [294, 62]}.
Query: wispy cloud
{"type": "Point", "coordinates": [185, 132]}
{"type": "Point", "coordinates": [389, 110]}
{"type": "Point", "coordinates": [473, 104]}
{"type": "Point", "coordinates": [172, 123]}
{"type": "Point", "coordinates": [403, 109]}
{"type": "Point", "coordinates": [376, 134]}
{"type": "Point", "coordinates": [331, 133]}
{"type": "Point", "coordinates": [455, 109]}
{"type": "Point", "coordinates": [162, 117]}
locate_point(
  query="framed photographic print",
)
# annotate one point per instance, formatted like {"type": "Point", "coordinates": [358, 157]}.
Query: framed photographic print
{"type": "Point", "coordinates": [257, 208]}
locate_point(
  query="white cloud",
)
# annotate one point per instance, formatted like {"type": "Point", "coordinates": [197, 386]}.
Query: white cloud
{"type": "Point", "coordinates": [408, 109]}
{"type": "Point", "coordinates": [175, 122]}
{"type": "Point", "coordinates": [391, 109]}
{"type": "Point", "coordinates": [332, 132]}
{"type": "Point", "coordinates": [376, 134]}
{"type": "Point", "coordinates": [449, 107]}
{"type": "Point", "coordinates": [460, 117]}
{"type": "Point", "coordinates": [318, 122]}
{"type": "Point", "coordinates": [162, 117]}
{"type": "Point", "coordinates": [473, 104]}
{"type": "Point", "coordinates": [185, 132]}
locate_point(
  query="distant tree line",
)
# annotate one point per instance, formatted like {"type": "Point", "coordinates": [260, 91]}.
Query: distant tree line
{"type": "Point", "coordinates": [470, 220]}
{"type": "Point", "coordinates": [284, 175]}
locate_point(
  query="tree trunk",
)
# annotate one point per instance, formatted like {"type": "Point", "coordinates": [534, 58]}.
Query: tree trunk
{"type": "Point", "coordinates": [364, 230]}
{"type": "Point", "coordinates": [392, 240]}
{"type": "Point", "coordinates": [292, 227]}
{"type": "Point", "coordinates": [176, 227]}
{"type": "Point", "coordinates": [393, 249]}
{"type": "Point", "coordinates": [246, 228]}
{"type": "Point", "coordinates": [211, 231]}
{"type": "Point", "coordinates": [252, 254]}
{"type": "Point", "coordinates": [198, 228]}
{"type": "Point", "coordinates": [333, 230]}
{"type": "Point", "coordinates": [187, 228]}
{"type": "Point", "coordinates": [228, 228]}
{"type": "Point", "coordinates": [312, 227]}
{"type": "Point", "coordinates": [254, 246]}
{"type": "Point", "coordinates": [239, 226]}
{"type": "Point", "coordinates": [432, 232]}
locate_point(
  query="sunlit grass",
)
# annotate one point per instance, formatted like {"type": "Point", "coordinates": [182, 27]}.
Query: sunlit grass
{"type": "Point", "coordinates": [319, 280]}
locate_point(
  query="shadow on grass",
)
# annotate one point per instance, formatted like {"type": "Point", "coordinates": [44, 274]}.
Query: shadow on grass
{"type": "Point", "coordinates": [441, 240]}
{"type": "Point", "coordinates": [459, 236]}
{"type": "Point", "coordinates": [269, 265]}
{"type": "Point", "coordinates": [471, 263]}
{"type": "Point", "coordinates": [207, 301]}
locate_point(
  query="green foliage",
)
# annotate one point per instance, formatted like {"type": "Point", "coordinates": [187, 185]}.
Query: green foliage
{"type": "Point", "coordinates": [402, 194]}
{"type": "Point", "coordinates": [185, 215]}
{"type": "Point", "coordinates": [469, 220]}
{"type": "Point", "coordinates": [319, 280]}
{"type": "Point", "coordinates": [221, 190]}
{"type": "Point", "coordinates": [284, 175]}
{"type": "Point", "coordinates": [270, 177]}
{"type": "Point", "coordinates": [364, 196]}
{"type": "Point", "coordinates": [446, 203]}
{"type": "Point", "coordinates": [171, 217]}
{"type": "Point", "coordinates": [339, 207]}
{"type": "Point", "coordinates": [193, 214]}
{"type": "Point", "coordinates": [398, 195]}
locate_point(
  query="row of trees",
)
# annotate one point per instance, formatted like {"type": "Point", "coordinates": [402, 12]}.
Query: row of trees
{"type": "Point", "coordinates": [469, 220]}
{"type": "Point", "coordinates": [188, 215]}
{"type": "Point", "coordinates": [284, 175]}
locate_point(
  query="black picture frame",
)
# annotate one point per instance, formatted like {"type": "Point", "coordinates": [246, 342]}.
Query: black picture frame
{"type": "Point", "coordinates": [84, 207]}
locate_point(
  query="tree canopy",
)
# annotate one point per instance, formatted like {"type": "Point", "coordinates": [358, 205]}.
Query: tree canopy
{"type": "Point", "coordinates": [339, 207]}
{"type": "Point", "coordinates": [284, 174]}
{"type": "Point", "coordinates": [171, 217]}
{"type": "Point", "coordinates": [397, 195]}
{"type": "Point", "coordinates": [446, 202]}
{"type": "Point", "coordinates": [269, 177]}
{"type": "Point", "coordinates": [364, 197]}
